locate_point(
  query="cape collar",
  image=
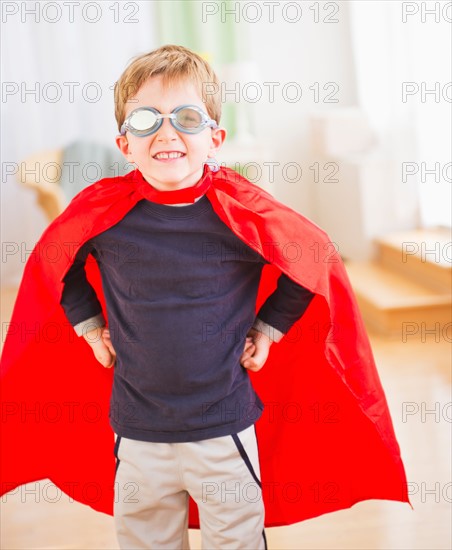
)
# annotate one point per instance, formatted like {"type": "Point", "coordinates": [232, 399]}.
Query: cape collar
{"type": "Point", "coordinates": [187, 195]}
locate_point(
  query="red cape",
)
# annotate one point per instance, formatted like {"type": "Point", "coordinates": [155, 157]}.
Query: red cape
{"type": "Point", "coordinates": [326, 439]}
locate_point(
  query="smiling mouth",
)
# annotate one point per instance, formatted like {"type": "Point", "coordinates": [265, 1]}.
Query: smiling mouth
{"type": "Point", "coordinates": [170, 155]}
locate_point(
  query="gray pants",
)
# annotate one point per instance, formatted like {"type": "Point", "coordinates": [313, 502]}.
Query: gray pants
{"type": "Point", "coordinates": [154, 481]}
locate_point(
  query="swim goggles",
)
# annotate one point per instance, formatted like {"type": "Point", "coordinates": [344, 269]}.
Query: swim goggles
{"type": "Point", "coordinates": [145, 121]}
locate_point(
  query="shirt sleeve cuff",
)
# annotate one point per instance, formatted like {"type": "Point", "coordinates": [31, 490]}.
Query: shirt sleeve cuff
{"type": "Point", "coordinates": [274, 334]}
{"type": "Point", "coordinates": [89, 324]}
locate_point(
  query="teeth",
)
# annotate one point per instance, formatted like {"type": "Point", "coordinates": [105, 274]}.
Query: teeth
{"type": "Point", "coordinates": [172, 155]}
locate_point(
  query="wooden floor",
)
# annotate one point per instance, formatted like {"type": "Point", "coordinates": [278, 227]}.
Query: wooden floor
{"type": "Point", "coordinates": [416, 375]}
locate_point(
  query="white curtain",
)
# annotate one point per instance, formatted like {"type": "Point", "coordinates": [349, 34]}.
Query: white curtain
{"type": "Point", "coordinates": [407, 46]}
{"type": "Point", "coordinates": [58, 70]}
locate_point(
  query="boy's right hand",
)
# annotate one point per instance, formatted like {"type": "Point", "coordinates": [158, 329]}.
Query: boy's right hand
{"type": "Point", "coordinates": [100, 342]}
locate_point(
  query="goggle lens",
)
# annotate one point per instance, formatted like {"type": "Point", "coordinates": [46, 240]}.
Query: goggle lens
{"type": "Point", "coordinates": [143, 120]}
{"type": "Point", "coordinates": [189, 118]}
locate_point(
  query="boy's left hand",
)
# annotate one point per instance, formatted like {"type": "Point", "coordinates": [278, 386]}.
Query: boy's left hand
{"type": "Point", "coordinates": [257, 348]}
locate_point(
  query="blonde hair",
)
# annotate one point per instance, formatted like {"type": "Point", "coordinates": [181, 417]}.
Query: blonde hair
{"type": "Point", "coordinates": [174, 64]}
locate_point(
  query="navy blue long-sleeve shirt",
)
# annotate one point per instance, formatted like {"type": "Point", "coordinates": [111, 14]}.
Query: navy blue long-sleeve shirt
{"type": "Point", "coordinates": [180, 290]}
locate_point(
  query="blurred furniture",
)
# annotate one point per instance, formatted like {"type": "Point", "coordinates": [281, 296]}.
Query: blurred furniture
{"type": "Point", "coordinates": [358, 193]}
{"type": "Point", "coordinates": [58, 175]}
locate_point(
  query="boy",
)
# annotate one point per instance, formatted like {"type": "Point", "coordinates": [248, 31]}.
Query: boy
{"type": "Point", "coordinates": [185, 253]}
{"type": "Point", "coordinates": [179, 314]}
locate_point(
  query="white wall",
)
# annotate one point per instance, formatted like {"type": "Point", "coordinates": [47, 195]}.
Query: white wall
{"type": "Point", "coordinates": [305, 52]}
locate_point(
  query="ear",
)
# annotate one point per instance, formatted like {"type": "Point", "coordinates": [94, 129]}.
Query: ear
{"type": "Point", "coordinates": [123, 146]}
{"type": "Point", "coordinates": [217, 139]}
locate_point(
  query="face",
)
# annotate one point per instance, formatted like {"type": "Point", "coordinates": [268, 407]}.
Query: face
{"type": "Point", "coordinates": [167, 174]}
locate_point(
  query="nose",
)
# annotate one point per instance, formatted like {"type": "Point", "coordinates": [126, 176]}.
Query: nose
{"type": "Point", "coordinates": [166, 132]}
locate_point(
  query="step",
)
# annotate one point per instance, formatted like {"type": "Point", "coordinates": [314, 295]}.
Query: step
{"type": "Point", "coordinates": [423, 255]}
{"type": "Point", "coordinates": [393, 305]}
